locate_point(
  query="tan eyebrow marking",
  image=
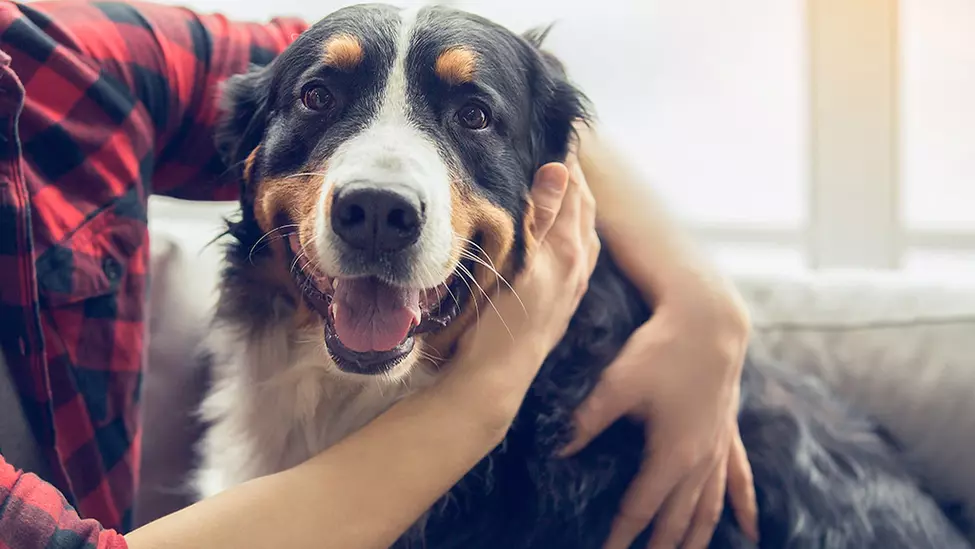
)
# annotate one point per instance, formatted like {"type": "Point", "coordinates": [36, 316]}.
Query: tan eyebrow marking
{"type": "Point", "coordinates": [456, 65]}
{"type": "Point", "coordinates": [343, 52]}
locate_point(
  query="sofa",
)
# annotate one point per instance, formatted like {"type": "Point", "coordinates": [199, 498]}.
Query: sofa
{"type": "Point", "coordinates": [901, 348]}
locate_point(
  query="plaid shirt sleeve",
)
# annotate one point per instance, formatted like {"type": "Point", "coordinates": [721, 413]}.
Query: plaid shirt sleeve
{"type": "Point", "coordinates": [173, 60]}
{"type": "Point", "coordinates": [101, 103]}
{"type": "Point", "coordinates": [33, 514]}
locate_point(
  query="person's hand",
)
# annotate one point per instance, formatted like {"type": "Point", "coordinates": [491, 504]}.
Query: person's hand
{"type": "Point", "coordinates": [520, 327]}
{"type": "Point", "coordinates": [680, 373]}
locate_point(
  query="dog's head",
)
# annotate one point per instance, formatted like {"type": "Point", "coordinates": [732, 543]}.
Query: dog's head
{"type": "Point", "coordinates": [396, 149]}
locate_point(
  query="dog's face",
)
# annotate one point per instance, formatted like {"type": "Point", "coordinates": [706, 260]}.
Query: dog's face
{"type": "Point", "coordinates": [396, 149]}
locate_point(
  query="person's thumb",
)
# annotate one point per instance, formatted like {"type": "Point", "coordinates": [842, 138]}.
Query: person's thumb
{"type": "Point", "coordinates": [548, 190]}
{"type": "Point", "coordinates": [600, 409]}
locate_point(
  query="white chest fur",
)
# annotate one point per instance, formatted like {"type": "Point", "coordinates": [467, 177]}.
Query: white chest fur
{"type": "Point", "coordinates": [276, 400]}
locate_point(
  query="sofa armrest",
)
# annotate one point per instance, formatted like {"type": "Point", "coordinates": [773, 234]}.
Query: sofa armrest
{"type": "Point", "coordinates": [902, 349]}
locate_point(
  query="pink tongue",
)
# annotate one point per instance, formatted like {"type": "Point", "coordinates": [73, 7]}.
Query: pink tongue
{"type": "Point", "coordinates": [373, 316]}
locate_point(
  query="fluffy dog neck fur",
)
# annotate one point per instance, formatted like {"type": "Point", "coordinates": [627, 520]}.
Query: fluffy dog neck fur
{"type": "Point", "coordinates": [276, 400]}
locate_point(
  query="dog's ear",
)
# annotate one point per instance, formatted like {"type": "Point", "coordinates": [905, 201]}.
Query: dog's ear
{"type": "Point", "coordinates": [557, 105]}
{"type": "Point", "coordinates": [245, 108]}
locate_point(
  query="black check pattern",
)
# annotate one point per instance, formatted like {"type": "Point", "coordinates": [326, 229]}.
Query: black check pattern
{"type": "Point", "coordinates": [101, 103]}
{"type": "Point", "coordinates": [34, 515]}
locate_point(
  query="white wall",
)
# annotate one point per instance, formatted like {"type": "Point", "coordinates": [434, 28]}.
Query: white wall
{"type": "Point", "coordinates": [712, 99]}
{"type": "Point", "coordinates": [707, 97]}
{"type": "Point", "coordinates": [938, 87]}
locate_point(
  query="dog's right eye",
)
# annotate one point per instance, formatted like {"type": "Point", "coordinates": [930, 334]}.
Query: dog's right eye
{"type": "Point", "coordinates": [318, 99]}
{"type": "Point", "coordinates": [473, 117]}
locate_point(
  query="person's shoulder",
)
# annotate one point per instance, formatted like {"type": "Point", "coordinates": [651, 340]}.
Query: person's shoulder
{"type": "Point", "coordinates": [80, 22]}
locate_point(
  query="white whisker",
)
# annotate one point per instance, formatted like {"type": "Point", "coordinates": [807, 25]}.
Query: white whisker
{"type": "Point", "coordinates": [490, 302]}
{"type": "Point", "coordinates": [306, 174]}
{"type": "Point", "coordinates": [435, 360]}
{"type": "Point", "coordinates": [429, 275]}
{"type": "Point", "coordinates": [468, 255]}
{"type": "Point", "coordinates": [294, 264]}
{"type": "Point", "coordinates": [477, 310]}
{"type": "Point", "coordinates": [250, 254]}
{"type": "Point", "coordinates": [302, 253]}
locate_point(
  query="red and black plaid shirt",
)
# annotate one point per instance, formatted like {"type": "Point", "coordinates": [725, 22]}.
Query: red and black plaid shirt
{"type": "Point", "coordinates": [101, 104]}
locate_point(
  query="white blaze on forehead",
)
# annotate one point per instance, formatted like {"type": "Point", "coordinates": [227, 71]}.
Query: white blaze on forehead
{"type": "Point", "coordinates": [394, 98]}
{"type": "Point", "coordinates": [392, 152]}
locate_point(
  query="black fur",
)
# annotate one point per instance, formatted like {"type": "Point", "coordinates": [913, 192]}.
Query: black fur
{"type": "Point", "coordinates": [825, 477]}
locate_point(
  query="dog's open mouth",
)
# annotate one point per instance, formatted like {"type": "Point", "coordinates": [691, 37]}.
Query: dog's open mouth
{"type": "Point", "coordinates": [370, 325]}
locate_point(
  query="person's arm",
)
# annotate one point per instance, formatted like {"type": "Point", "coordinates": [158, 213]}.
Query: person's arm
{"type": "Point", "coordinates": [680, 372]}
{"type": "Point", "coordinates": [647, 242]}
{"type": "Point", "coordinates": [362, 493]}
{"type": "Point", "coordinates": [171, 61]}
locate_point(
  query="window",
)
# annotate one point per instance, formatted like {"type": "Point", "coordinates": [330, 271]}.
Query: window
{"type": "Point", "coordinates": [938, 83]}
{"type": "Point", "coordinates": [708, 98]}
{"type": "Point", "coordinates": [938, 134]}
{"type": "Point", "coordinates": [789, 134]}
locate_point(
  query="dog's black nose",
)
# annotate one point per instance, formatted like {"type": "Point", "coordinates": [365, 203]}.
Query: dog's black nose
{"type": "Point", "coordinates": [377, 220]}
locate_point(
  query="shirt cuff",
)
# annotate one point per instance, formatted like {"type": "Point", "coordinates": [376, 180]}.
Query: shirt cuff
{"type": "Point", "coordinates": [35, 515]}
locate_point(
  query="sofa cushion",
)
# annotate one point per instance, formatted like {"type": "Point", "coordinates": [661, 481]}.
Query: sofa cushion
{"type": "Point", "coordinates": [900, 348]}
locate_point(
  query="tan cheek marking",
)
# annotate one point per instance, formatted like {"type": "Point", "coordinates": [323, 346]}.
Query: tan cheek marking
{"type": "Point", "coordinates": [498, 234]}
{"type": "Point", "coordinates": [456, 66]}
{"type": "Point", "coordinates": [462, 214]}
{"type": "Point", "coordinates": [307, 225]}
{"type": "Point", "coordinates": [343, 52]}
{"type": "Point", "coordinates": [249, 163]}
{"type": "Point", "coordinates": [470, 215]}
{"type": "Point", "coordinates": [292, 196]}
{"type": "Point", "coordinates": [296, 197]}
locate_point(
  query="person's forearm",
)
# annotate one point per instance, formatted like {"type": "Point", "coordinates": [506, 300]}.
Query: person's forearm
{"type": "Point", "coordinates": [362, 493]}
{"type": "Point", "coordinates": [646, 241]}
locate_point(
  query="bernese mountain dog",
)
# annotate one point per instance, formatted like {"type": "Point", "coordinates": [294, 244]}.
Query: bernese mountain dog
{"type": "Point", "coordinates": [386, 159]}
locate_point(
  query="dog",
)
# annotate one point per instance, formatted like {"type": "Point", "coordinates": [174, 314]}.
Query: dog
{"type": "Point", "coordinates": [385, 161]}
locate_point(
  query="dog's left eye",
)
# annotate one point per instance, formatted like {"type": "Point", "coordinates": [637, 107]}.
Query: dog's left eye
{"type": "Point", "coordinates": [473, 117]}
{"type": "Point", "coordinates": [318, 99]}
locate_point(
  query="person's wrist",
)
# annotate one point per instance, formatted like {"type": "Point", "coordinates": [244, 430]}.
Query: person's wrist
{"type": "Point", "coordinates": [491, 390]}
{"type": "Point", "coordinates": [709, 306]}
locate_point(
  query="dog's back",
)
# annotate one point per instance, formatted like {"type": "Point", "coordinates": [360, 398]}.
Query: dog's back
{"type": "Point", "coordinates": [824, 476]}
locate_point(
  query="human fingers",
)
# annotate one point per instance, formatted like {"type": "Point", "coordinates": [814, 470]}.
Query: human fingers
{"type": "Point", "coordinates": [563, 236]}
{"type": "Point", "coordinates": [642, 501]}
{"type": "Point", "coordinates": [548, 191]}
{"type": "Point", "coordinates": [674, 518]}
{"type": "Point", "coordinates": [605, 404]}
{"type": "Point", "coordinates": [741, 488]}
{"type": "Point", "coordinates": [595, 246]}
{"type": "Point", "coordinates": [589, 238]}
{"type": "Point", "coordinates": [576, 235]}
{"type": "Point", "coordinates": [708, 510]}
{"type": "Point", "coordinates": [550, 272]}
{"type": "Point", "coordinates": [577, 179]}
